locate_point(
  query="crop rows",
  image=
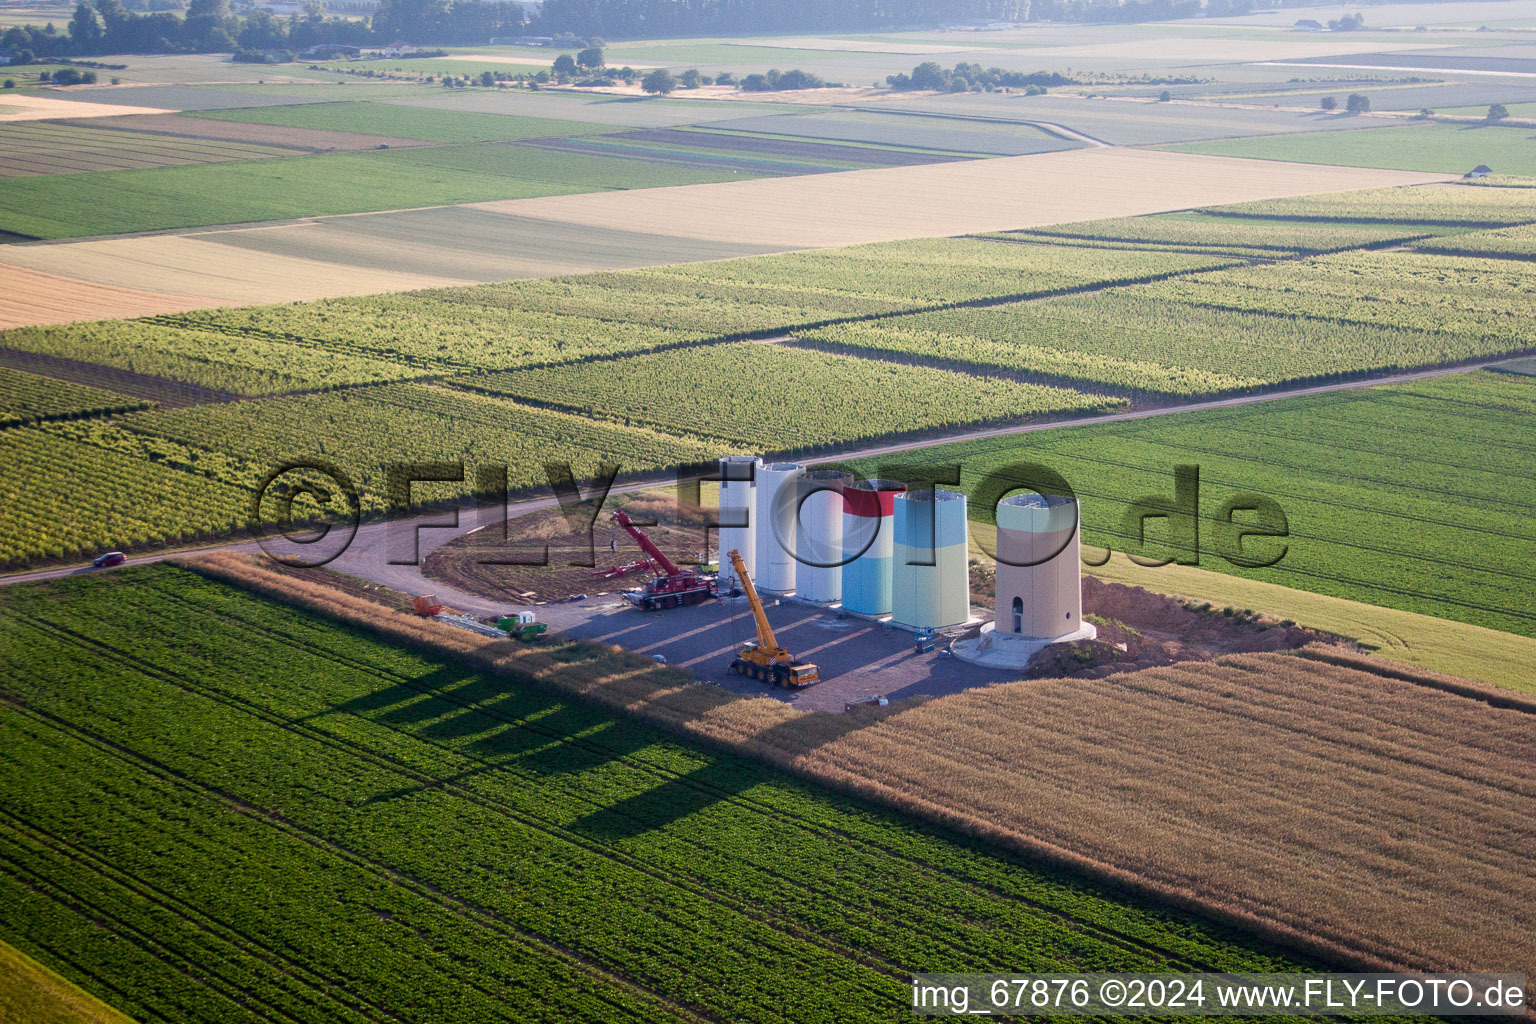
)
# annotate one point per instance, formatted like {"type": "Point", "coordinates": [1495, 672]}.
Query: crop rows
{"type": "Point", "coordinates": [39, 147]}
{"type": "Point", "coordinates": [67, 496]}
{"type": "Point", "coordinates": [1213, 233]}
{"type": "Point", "coordinates": [1454, 205]}
{"type": "Point", "coordinates": [337, 830]}
{"type": "Point", "coordinates": [29, 398]}
{"type": "Point", "coordinates": [1419, 496]}
{"type": "Point", "coordinates": [1471, 307]}
{"type": "Point", "coordinates": [241, 365]}
{"type": "Point", "coordinates": [363, 430]}
{"type": "Point", "coordinates": [943, 271]}
{"type": "Point", "coordinates": [562, 320]}
{"type": "Point", "coordinates": [1510, 243]}
{"type": "Point", "coordinates": [775, 398]}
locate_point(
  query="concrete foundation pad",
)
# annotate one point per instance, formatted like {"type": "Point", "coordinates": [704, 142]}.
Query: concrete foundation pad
{"type": "Point", "coordinates": [1009, 650]}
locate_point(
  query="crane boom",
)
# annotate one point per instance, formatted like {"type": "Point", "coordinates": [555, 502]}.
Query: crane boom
{"type": "Point", "coordinates": [646, 544]}
{"type": "Point", "coordinates": [766, 660]}
{"type": "Point", "coordinates": [766, 642]}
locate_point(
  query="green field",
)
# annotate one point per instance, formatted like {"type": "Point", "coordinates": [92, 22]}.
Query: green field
{"type": "Point", "coordinates": [334, 830]}
{"type": "Point", "coordinates": [28, 398]}
{"type": "Point", "coordinates": [1220, 235]}
{"type": "Point", "coordinates": [111, 202]}
{"type": "Point", "coordinates": [1451, 149]}
{"type": "Point", "coordinates": [404, 122]}
{"type": "Point", "coordinates": [1417, 496]}
{"type": "Point", "coordinates": [737, 394]}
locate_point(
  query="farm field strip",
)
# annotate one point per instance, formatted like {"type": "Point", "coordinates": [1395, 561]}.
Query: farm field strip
{"type": "Point", "coordinates": [1372, 517]}
{"type": "Point", "coordinates": [29, 296]}
{"type": "Point", "coordinates": [28, 398]}
{"type": "Point", "coordinates": [1235, 235]}
{"type": "Point", "coordinates": [178, 126]}
{"type": "Point", "coordinates": [836, 398]}
{"type": "Point", "coordinates": [700, 851]}
{"type": "Point", "coordinates": [390, 119]}
{"type": "Point", "coordinates": [953, 198]}
{"type": "Point", "coordinates": [29, 148]}
{"type": "Point", "coordinates": [1434, 147]}
{"type": "Point", "coordinates": [1516, 243]}
{"type": "Point", "coordinates": [1380, 756]}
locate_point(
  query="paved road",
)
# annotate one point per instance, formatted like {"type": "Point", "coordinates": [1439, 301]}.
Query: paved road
{"type": "Point", "coordinates": [370, 554]}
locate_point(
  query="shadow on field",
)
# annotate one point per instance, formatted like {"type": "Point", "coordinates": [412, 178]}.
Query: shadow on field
{"type": "Point", "coordinates": [667, 803]}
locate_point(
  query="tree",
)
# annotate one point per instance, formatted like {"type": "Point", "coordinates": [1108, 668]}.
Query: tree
{"type": "Point", "coordinates": [1497, 112]}
{"type": "Point", "coordinates": [591, 57]}
{"type": "Point", "coordinates": [84, 29]}
{"type": "Point", "coordinates": [690, 79]}
{"type": "Point", "coordinates": [565, 64]}
{"type": "Point", "coordinates": [1358, 103]}
{"type": "Point", "coordinates": [1164, 96]}
{"type": "Point", "coordinates": [487, 79]}
{"type": "Point", "coordinates": [1329, 103]}
{"type": "Point", "coordinates": [930, 75]}
{"type": "Point", "coordinates": [203, 17]}
{"type": "Point", "coordinates": [659, 82]}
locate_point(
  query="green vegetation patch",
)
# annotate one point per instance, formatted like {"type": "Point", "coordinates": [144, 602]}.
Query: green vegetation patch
{"type": "Point", "coordinates": [1451, 149]}
{"type": "Point", "coordinates": [349, 826]}
{"type": "Point", "coordinates": [1210, 232]}
{"type": "Point", "coordinates": [404, 122]}
{"type": "Point", "coordinates": [63, 206]}
{"type": "Point", "coordinates": [1455, 205]}
{"type": "Point", "coordinates": [1417, 496]}
{"type": "Point", "coordinates": [773, 397]}
{"type": "Point", "coordinates": [29, 398]}
{"type": "Point", "coordinates": [238, 364]}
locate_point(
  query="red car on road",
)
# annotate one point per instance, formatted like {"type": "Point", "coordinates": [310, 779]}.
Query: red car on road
{"type": "Point", "coordinates": [109, 559]}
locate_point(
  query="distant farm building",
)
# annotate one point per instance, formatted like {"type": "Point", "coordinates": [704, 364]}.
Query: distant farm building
{"type": "Point", "coordinates": [1308, 25]}
{"type": "Point", "coordinates": [332, 50]}
{"type": "Point", "coordinates": [399, 48]}
{"type": "Point", "coordinates": [1480, 171]}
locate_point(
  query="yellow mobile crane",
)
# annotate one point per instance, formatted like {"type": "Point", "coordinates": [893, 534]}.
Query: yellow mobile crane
{"type": "Point", "coordinates": [766, 660]}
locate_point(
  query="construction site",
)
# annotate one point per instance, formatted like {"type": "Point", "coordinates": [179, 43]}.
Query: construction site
{"type": "Point", "coordinates": [829, 591]}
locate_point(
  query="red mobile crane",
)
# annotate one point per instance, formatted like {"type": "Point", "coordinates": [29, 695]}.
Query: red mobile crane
{"type": "Point", "coordinates": [674, 586]}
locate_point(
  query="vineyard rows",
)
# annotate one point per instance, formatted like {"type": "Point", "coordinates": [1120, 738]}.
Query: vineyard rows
{"type": "Point", "coordinates": [345, 831]}
{"type": "Point", "coordinates": [775, 398]}
{"type": "Point", "coordinates": [1419, 496]}
{"type": "Point", "coordinates": [164, 347]}
{"type": "Point", "coordinates": [1471, 307]}
{"type": "Point", "coordinates": [362, 430]}
{"type": "Point", "coordinates": [1213, 233]}
{"type": "Point", "coordinates": [29, 398]}
{"type": "Point", "coordinates": [1517, 242]}
{"type": "Point", "coordinates": [67, 496]}
{"type": "Point", "coordinates": [1453, 205]}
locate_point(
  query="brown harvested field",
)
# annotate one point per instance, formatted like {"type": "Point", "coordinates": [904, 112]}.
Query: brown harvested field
{"type": "Point", "coordinates": [29, 297]}
{"type": "Point", "coordinates": [1374, 816]}
{"type": "Point", "coordinates": [221, 274]}
{"type": "Point", "coordinates": [887, 204]}
{"type": "Point", "coordinates": [314, 139]}
{"type": "Point", "coordinates": [1389, 820]}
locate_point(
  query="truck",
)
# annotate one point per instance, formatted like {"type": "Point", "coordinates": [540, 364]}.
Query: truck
{"type": "Point", "coordinates": [763, 659]}
{"type": "Point", "coordinates": [672, 586]}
